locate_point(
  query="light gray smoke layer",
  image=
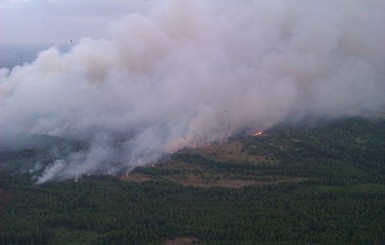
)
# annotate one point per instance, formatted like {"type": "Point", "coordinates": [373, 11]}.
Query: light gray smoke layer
{"type": "Point", "coordinates": [184, 72]}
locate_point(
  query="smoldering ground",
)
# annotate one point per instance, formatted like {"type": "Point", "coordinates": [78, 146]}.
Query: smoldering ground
{"type": "Point", "coordinates": [178, 73]}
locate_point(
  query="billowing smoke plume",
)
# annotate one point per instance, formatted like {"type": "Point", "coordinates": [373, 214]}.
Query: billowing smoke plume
{"type": "Point", "coordinates": [184, 72]}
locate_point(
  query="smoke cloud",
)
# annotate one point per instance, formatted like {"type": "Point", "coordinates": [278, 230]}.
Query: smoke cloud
{"type": "Point", "coordinates": [178, 73]}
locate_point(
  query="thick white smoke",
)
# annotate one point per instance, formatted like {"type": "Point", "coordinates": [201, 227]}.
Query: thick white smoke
{"type": "Point", "coordinates": [184, 72]}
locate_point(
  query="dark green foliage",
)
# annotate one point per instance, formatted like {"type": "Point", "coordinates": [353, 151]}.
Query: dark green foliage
{"type": "Point", "coordinates": [341, 202]}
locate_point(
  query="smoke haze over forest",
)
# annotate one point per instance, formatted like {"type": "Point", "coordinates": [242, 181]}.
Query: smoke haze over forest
{"type": "Point", "coordinates": [178, 73]}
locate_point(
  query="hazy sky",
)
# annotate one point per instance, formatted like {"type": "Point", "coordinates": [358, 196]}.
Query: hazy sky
{"type": "Point", "coordinates": [59, 21]}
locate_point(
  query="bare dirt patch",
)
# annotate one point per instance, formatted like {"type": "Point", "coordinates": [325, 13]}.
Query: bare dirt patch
{"type": "Point", "coordinates": [214, 181]}
{"type": "Point", "coordinates": [134, 177]}
{"type": "Point", "coordinates": [5, 197]}
{"type": "Point", "coordinates": [182, 241]}
{"type": "Point", "coordinates": [196, 181]}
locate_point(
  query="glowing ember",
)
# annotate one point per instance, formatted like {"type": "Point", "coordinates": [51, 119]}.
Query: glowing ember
{"type": "Point", "coordinates": [258, 133]}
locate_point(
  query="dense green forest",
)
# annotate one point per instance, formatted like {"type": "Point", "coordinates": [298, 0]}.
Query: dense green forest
{"type": "Point", "coordinates": [338, 196]}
